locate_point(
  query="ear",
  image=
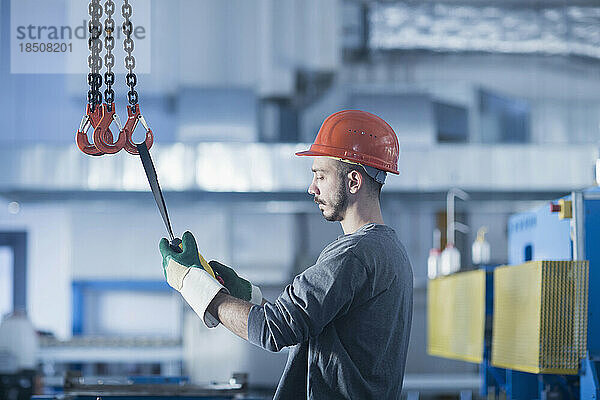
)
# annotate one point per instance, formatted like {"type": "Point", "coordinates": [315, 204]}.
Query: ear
{"type": "Point", "coordinates": [355, 181]}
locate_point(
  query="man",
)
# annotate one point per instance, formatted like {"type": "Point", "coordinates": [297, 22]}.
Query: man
{"type": "Point", "coordinates": [347, 318]}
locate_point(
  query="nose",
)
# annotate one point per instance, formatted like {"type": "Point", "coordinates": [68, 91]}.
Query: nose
{"type": "Point", "coordinates": [312, 189]}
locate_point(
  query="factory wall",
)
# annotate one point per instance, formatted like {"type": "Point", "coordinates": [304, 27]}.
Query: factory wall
{"type": "Point", "coordinates": [49, 263]}
{"type": "Point", "coordinates": [565, 121]}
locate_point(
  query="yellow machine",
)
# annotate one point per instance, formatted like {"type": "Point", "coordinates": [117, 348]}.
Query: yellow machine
{"type": "Point", "coordinates": [456, 316]}
{"type": "Point", "coordinates": [540, 316]}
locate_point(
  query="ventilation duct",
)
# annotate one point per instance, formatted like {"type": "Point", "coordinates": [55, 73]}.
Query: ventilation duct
{"type": "Point", "coordinates": [550, 30]}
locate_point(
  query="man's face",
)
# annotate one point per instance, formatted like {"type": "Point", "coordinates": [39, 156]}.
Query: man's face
{"type": "Point", "coordinates": [328, 189]}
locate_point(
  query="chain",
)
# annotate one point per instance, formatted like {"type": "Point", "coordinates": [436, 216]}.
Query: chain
{"type": "Point", "coordinates": [94, 60]}
{"type": "Point", "coordinates": [130, 78]}
{"type": "Point", "coordinates": [109, 58]}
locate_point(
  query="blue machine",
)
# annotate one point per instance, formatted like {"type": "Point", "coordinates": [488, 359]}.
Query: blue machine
{"type": "Point", "coordinates": [542, 235]}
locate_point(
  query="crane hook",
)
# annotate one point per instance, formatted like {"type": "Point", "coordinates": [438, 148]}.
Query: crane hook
{"type": "Point", "coordinates": [103, 138]}
{"type": "Point", "coordinates": [90, 119]}
{"type": "Point", "coordinates": [133, 113]}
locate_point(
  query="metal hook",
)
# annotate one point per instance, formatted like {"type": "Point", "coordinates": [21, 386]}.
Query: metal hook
{"type": "Point", "coordinates": [90, 119]}
{"type": "Point", "coordinates": [103, 138]}
{"type": "Point", "coordinates": [134, 116]}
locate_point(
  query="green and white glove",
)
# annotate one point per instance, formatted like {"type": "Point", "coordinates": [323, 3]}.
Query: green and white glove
{"type": "Point", "coordinates": [238, 287]}
{"type": "Point", "coordinates": [185, 273]}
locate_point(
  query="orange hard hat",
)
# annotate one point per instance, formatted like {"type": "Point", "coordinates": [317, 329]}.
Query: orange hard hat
{"type": "Point", "coordinates": [359, 137]}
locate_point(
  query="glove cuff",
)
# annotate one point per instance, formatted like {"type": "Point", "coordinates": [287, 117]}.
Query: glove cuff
{"type": "Point", "coordinates": [256, 297]}
{"type": "Point", "coordinates": [198, 290]}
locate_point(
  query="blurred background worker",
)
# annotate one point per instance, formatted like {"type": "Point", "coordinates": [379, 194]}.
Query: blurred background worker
{"type": "Point", "coordinates": [347, 318]}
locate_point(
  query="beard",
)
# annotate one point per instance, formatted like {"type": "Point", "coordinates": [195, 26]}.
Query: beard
{"type": "Point", "coordinates": [335, 209]}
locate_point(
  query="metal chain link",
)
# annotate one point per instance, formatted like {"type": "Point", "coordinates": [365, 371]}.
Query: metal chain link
{"type": "Point", "coordinates": [128, 45]}
{"type": "Point", "coordinates": [109, 58]}
{"type": "Point", "coordinates": [94, 60]}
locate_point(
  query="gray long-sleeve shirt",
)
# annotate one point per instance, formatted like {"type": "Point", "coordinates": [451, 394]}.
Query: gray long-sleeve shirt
{"type": "Point", "coordinates": [348, 319]}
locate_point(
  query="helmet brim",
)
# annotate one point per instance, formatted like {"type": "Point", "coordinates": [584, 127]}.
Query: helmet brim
{"type": "Point", "coordinates": [310, 153]}
{"type": "Point", "coordinates": [313, 153]}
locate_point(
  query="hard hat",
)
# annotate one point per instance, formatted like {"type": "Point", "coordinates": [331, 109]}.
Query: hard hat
{"type": "Point", "coordinates": [359, 137]}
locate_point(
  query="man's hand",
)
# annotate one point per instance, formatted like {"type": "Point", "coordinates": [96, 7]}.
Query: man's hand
{"type": "Point", "coordinates": [186, 274]}
{"type": "Point", "coordinates": [237, 286]}
{"type": "Point", "coordinates": [189, 257]}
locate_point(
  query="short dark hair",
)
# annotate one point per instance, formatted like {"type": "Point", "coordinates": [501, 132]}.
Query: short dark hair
{"type": "Point", "coordinates": [371, 185]}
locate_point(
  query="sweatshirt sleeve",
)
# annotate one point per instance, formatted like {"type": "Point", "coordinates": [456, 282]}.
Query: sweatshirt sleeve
{"type": "Point", "coordinates": [308, 304]}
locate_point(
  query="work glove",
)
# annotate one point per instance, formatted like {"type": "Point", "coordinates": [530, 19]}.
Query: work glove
{"type": "Point", "coordinates": [190, 256]}
{"type": "Point", "coordinates": [189, 274]}
{"type": "Point", "coordinates": [238, 287]}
